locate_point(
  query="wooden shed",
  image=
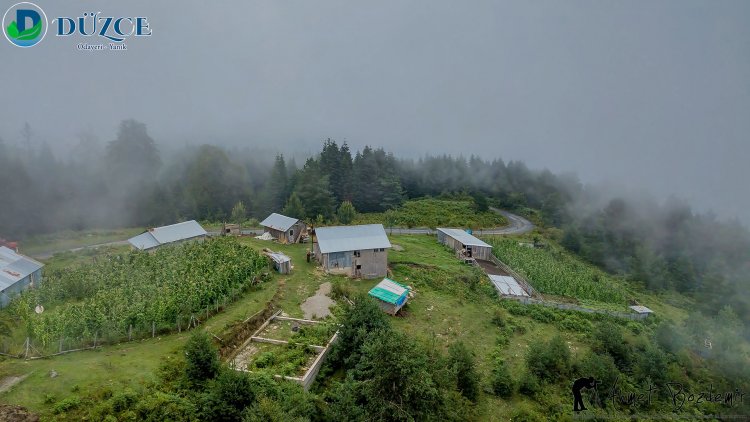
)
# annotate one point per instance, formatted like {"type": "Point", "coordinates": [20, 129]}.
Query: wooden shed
{"type": "Point", "coordinates": [391, 296]}
{"type": "Point", "coordinates": [281, 262]}
{"type": "Point", "coordinates": [284, 229]}
{"type": "Point", "coordinates": [464, 244]}
{"type": "Point", "coordinates": [356, 251]}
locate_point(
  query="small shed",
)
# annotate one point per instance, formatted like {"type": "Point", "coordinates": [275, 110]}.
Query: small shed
{"type": "Point", "coordinates": [391, 295]}
{"type": "Point", "coordinates": [175, 233]}
{"type": "Point", "coordinates": [465, 245]}
{"type": "Point", "coordinates": [356, 251]}
{"type": "Point", "coordinates": [284, 229]}
{"type": "Point", "coordinates": [229, 229]}
{"type": "Point", "coordinates": [642, 311]}
{"type": "Point", "coordinates": [17, 273]}
{"type": "Point", "coordinates": [281, 262]}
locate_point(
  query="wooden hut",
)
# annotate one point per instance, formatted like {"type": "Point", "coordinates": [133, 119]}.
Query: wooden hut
{"type": "Point", "coordinates": [464, 244]}
{"type": "Point", "coordinates": [284, 229]}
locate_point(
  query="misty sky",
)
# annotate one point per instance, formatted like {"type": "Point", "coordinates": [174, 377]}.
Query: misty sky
{"type": "Point", "coordinates": [652, 94]}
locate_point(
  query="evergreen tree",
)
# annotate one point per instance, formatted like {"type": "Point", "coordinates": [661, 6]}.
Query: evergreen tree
{"type": "Point", "coordinates": [293, 207]}
{"type": "Point", "coordinates": [346, 212]}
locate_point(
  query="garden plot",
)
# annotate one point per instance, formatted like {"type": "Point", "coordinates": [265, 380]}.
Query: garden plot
{"type": "Point", "coordinates": [289, 348]}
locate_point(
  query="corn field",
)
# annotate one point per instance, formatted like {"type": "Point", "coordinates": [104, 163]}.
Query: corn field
{"type": "Point", "coordinates": [138, 289]}
{"type": "Point", "coordinates": [553, 271]}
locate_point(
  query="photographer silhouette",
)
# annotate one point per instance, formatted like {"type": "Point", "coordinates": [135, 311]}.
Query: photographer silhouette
{"type": "Point", "coordinates": [578, 385]}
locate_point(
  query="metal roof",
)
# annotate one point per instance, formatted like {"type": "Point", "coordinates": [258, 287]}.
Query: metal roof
{"type": "Point", "coordinates": [351, 238]}
{"type": "Point", "coordinates": [167, 234]}
{"type": "Point", "coordinates": [507, 285]}
{"type": "Point", "coordinates": [390, 291]}
{"type": "Point", "coordinates": [463, 237]}
{"type": "Point", "coordinates": [641, 309]}
{"type": "Point", "coordinates": [15, 267]}
{"type": "Point", "coordinates": [278, 257]}
{"type": "Point", "coordinates": [279, 222]}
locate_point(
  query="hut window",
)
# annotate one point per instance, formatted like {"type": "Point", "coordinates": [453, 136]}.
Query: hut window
{"type": "Point", "coordinates": [356, 253]}
{"type": "Point", "coordinates": [359, 267]}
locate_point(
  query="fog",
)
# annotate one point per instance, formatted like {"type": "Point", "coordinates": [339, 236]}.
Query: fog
{"type": "Point", "coordinates": [642, 95]}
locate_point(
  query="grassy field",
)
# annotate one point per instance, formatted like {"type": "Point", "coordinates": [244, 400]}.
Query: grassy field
{"type": "Point", "coordinates": [453, 302]}
{"type": "Point", "coordinates": [42, 244]}
{"type": "Point", "coordinates": [434, 213]}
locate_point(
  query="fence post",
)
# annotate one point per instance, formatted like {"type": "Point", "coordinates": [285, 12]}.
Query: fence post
{"type": "Point", "coordinates": [96, 334]}
{"type": "Point", "coordinates": [61, 341]}
{"type": "Point", "coordinates": [28, 341]}
{"type": "Point", "coordinates": [179, 328]}
{"type": "Point", "coordinates": [130, 332]}
{"type": "Point", "coordinates": [153, 329]}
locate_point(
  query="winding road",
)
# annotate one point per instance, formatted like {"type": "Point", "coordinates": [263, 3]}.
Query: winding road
{"type": "Point", "coordinates": [517, 225]}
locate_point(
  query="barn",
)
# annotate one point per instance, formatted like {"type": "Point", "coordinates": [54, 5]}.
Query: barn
{"type": "Point", "coordinates": [464, 244]}
{"type": "Point", "coordinates": [391, 296]}
{"type": "Point", "coordinates": [175, 233]}
{"type": "Point", "coordinates": [284, 229]}
{"type": "Point", "coordinates": [356, 251]}
{"type": "Point", "coordinates": [17, 273]}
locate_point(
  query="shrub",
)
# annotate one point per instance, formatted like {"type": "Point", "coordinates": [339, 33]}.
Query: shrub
{"type": "Point", "coordinates": [467, 378]}
{"type": "Point", "coordinates": [227, 396]}
{"type": "Point", "coordinates": [66, 404]}
{"type": "Point", "coordinates": [529, 384]}
{"type": "Point", "coordinates": [502, 382]}
{"type": "Point", "coordinates": [549, 361]}
{"type": "Point", "coordinates": [608, 338]}
{"type": "Point", "coordinates": [202, 358]}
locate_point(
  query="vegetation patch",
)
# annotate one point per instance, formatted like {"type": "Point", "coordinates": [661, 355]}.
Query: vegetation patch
{"type": "Point", "coordinates": [432, 213]}
{"type": "Point", "coordinates": [552, 270]}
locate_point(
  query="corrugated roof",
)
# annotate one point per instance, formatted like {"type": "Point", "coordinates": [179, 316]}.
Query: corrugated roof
{"type": "Point", "coordinates": [463, 237]}
{"type": "Point", "coordinates": [390, 291]}
{"type": "Point", "coordinates": [279, 258]}
{"type": "Point", "coordinates": [351, 238]}
{"type": "Point", "coordinates": [507, 285]}
{"type": "Point", "coordinates": [14, 267]}
{"type": "Point", "coordinates": [641, 309]}
{"type": "Point", "coordinates": [279, 222]}
{"type": "Point", "coordinates": [167, 234]}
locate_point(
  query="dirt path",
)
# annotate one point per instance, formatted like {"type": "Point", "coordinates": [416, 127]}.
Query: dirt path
{"type": "Point", "coordinates": [8, 382]}
{"type": "Point", "coordinates": [317, 306]}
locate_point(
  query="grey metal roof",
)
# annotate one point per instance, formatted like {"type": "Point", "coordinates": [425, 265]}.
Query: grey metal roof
{"type": "Point", "coordinates": [463, 237]}
{"type": "Point", "coordinates": [167, 234]}
{"type": "Point", "coordinates": [279, 222]}
{"type": "Point", "coordinates": [351, 238]}
{"type": "Point", "coordinates": [507, 285]}
{"type": "Point", "coordinates": [15, 267]}
{"type": "Point", "coordinates": [641, 309]}
{"type": "Point", "coordinates": [278, 257]}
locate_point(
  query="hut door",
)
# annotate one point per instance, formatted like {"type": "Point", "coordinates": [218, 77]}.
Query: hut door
{"type": "Point", "coordinates": [468, 251]}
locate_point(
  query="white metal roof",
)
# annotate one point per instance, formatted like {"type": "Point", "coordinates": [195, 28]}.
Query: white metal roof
{"type": "Point", "coordinates": [167, 234]}
{"type": "Point", "coordinates": [391, 286]}
{"type": "Point", "coordinates": [15, 267]}
{"type": "Point", "coordinates": [278, 257]}
{"type": "Point", "coordinates": [507, 285]}
{"type": "Point", "coordinates": [279, 222]}
{"type": "Point", "coordinates": [463, 237]}
{"type": "Point", "coordinates": [641, 309]}
{"type": "Point", "coordinates": [351, 238]}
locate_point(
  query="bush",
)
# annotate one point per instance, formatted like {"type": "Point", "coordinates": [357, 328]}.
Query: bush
{"type": "Point", "coordinates": [499, 317]}
{"type": "Point", "coordinates": [202, 358]}
{"type": "Point", "coordinates": [502, 382]}
{"type": "Point", "coordinates": [358, 323]}
{"type": "Point", "coordinates": [608, 338]}
{"type": "Point", "coordinates": [227, 396]}
{"type": "Point", "coordinates": [66, 404]}
{"type": "Point", "coordinates": [467, 378]}
{"type": "Point", "coordinates": [123, 400]}
{"type": "Point", "coordinates": [549, 361]}
{"type": "Point", "coordinates": [529, 384]}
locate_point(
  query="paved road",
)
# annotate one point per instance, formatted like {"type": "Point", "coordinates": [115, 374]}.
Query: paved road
{"type": "Point", "coordinates": [518, 225]}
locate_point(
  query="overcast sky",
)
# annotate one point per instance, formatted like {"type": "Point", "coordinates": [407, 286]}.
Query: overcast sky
{"type": "Point", "coordinates": [652, 94]}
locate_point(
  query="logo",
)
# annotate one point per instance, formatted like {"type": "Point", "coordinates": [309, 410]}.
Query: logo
{"type": "Point", "coordinates": [25, 24]}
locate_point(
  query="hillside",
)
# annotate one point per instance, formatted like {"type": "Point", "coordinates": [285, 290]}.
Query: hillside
{"type": "Point", "coordinates": [453, 303]}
